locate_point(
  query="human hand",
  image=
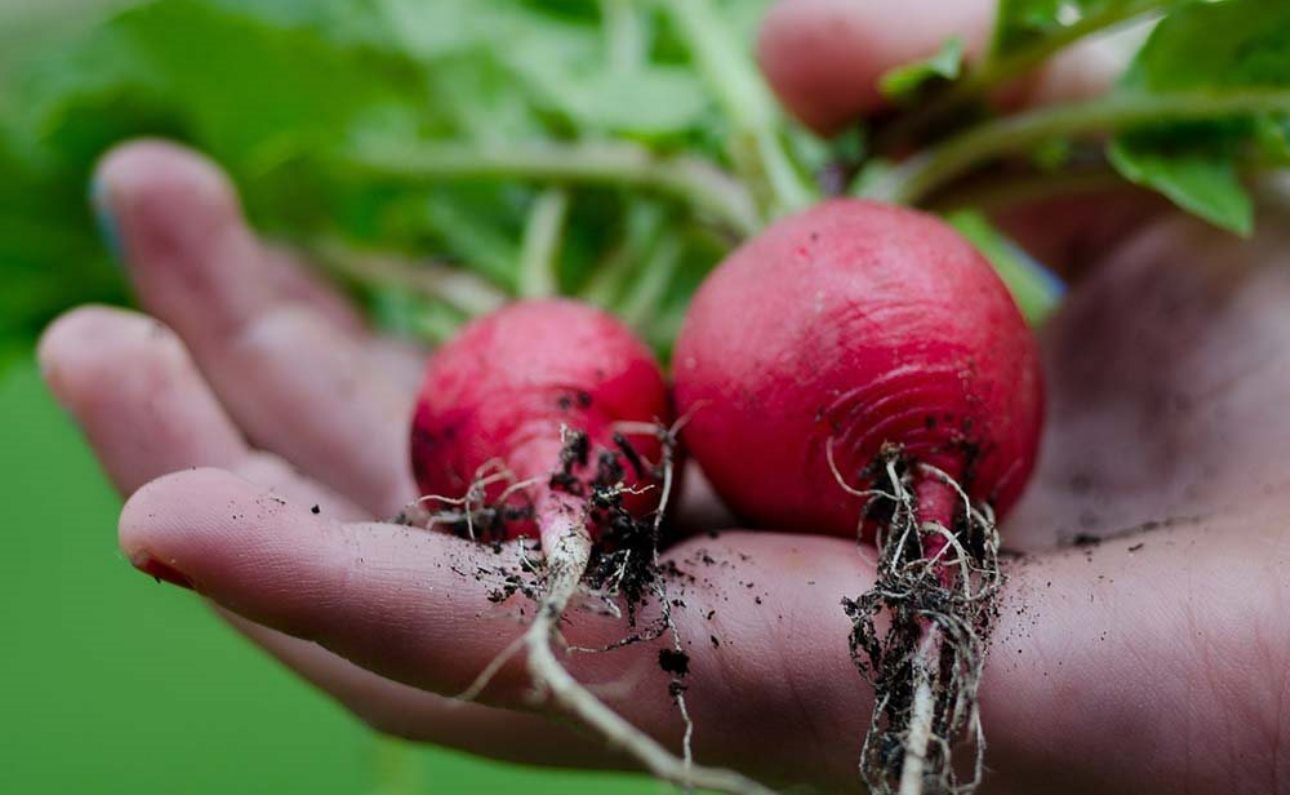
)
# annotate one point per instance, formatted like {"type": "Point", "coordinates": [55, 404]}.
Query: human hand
{"type": "Point", "coordinates": [1164, 371]}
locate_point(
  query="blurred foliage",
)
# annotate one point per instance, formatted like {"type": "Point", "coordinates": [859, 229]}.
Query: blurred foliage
{"type": "Point", "coordinates": [1239, 46]}
{"type": "Point", "coordinates": [296, 97]}
{"type": "Point", "coordinates": [278, 91]}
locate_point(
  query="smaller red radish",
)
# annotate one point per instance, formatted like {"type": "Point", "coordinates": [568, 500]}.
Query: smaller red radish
{"type": "Point", "coordinates": [547, 419]}
{"type": "Point", "coordinates": [540, 392]}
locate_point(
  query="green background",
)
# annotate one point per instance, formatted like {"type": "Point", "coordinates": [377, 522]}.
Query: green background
{"type": "Point", "coordinates": [111, 683]}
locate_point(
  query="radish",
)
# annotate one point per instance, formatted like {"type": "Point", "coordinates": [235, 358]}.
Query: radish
{"type": "Point", "coordinates": [549, 419]}
{"type": "Point", "coordinates": [539, 392]}
{"type": "Point", "coordinates": [860, 367]}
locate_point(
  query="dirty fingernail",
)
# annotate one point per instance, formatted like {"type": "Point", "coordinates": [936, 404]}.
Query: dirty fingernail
{"type": "Point", "coordinates": [161, 572]}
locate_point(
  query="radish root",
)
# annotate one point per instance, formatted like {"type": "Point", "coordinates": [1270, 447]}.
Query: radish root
{"type": "Point", "coordinates": [566, 564]}
{"type": "Point", "coordinates": [568, 561]}
{"type": "Point", "coordinates": [920, 722]}
{"type": "Point", "coordinates": [926, 668]}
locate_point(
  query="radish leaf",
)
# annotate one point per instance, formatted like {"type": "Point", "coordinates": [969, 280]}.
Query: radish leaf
{"type": "Point", "coordinates": [1209, 49]}
{"type": "Point", "coordinates": [904, 82]}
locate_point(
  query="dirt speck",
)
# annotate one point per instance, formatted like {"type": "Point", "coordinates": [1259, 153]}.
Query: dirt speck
{"type": "Point", "coordinates": [674, 662]}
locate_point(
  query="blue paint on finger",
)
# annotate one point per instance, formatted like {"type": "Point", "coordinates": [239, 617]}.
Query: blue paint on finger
{"type": "Point", "coordinates": [105, 219]}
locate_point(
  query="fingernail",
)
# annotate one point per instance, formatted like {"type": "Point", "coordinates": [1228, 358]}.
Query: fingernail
{"type": "Point", "coordinates": [105, 219]}
{"type": "Point", "coordinates": [161, 572]}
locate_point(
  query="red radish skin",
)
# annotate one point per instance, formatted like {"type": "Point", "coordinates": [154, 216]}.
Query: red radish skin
{"type": "Point", "coordinates": [502, 389]}
{"type": "Point", "coordinates": [857, 324]}
{"type": "Point", "coordinates": [814, 351]}
{"type": "Point", "coordinates": [502, 392]}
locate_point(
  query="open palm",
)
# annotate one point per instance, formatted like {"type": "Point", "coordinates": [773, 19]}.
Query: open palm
{"type": "Point", "coordinates": [260, 432]}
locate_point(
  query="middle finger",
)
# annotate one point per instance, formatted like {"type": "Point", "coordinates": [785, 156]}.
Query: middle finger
{"type": "Point", "coordinates": [295, 381]}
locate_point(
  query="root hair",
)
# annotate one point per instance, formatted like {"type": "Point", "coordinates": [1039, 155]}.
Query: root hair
{"type": "Point", "coordinates": [926, 669]}
{"type": "Point", "coordinates": [572, 565]}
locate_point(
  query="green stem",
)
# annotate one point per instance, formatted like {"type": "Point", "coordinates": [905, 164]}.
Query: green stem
{"type": "Point", "coordinates": [436, 323]}
{"type": "Point", "coordinates": [460, 289]}
{"type": "Point", "coordinates": [992, 194]}
{"type": "Point", "coordinates": [1035, 291]}
{"type": "Point", "coordinates": [648, 291]}
{"type": "Point", "coordinates": [644, 222]}
{"type": "Point", "coordinates": [755, 145]}
{"type": "Point", "coordinates": [625, 36]}
{"type": "Point", "coordinates": [488, 246]}
{"type": "Point", "coordinates": [915, 180]}
{"type": "Point", "coordinates": [997, 72]}
{"type": "Point", "coordinates": [543, 239]}
{"type": "Point", "coordinates": [694, 180]}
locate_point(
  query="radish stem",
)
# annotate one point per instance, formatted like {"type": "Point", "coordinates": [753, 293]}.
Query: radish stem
{"type": "Point", "coordinates": [626, 38]}
{"type": "Point", "coordinates": [694, 180]}
{"type": "Point", "coordinates": [543, 236]}
{"type": "Point", "coordinates": [460, 289]}
{"type": "Point", "coordinates": [755, 146]}
{"type": "Point", "coordinates": [606, 286]}
{"type": "Point", "coordinates": [998, 72]}
{"type": "Point", "coordinates": [642, 302]}
{"type": "Point", "coordinates": [916, 180]}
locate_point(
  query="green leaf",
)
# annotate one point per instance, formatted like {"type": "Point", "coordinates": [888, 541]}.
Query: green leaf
{"type": "Point", "coordinates": [1224, 45]}
{"type": "Point", "coordinates": [1273, 140]}
{"type": "Point", "coordinates": [50, 257]}
{"type": "Point", "coordinates": [1237, 45]}
{"type": "Point", "coordinates": [1041, 27]}
{"type": "Point", "coordinates": [276, 90]}
{"type": "Point", "coordinates": [1021, 22]}
{"type": "Point", "coordinates": [1036, 290]}
{"type": "Point", "coordinates": [1202, 182]}
{"type": "Point", "coordinates": [875, 171]}
{"type": "Point", "coordinates": [644, 104]}
{"type": "Point", "coordinates": [906, 81]}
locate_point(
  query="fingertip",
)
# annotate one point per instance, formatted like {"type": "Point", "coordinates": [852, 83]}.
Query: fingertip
{"type": "Point", "coordinates": [146, 516]}
{"type": "Point", "coordinates": [177, 221]}
{"type": "Point", "coordinates": [361, 590]}
{"type": "Point", "coordinates": [82, 344]}
{"type": "Point", "coordinates": [146, 533]}
{"type": "Point", "coordinates": [825, 58]}
{"type": "Point", "coordinates": [64, 336]}
{"type": "Point", "coordinates": [814, 54]}
{"type": "Point", "coordinates": [166, 210]}
{"type": "Point", "coordinates": [179, 519]}
{"type": "Point", "coordinates": [151, 167]}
